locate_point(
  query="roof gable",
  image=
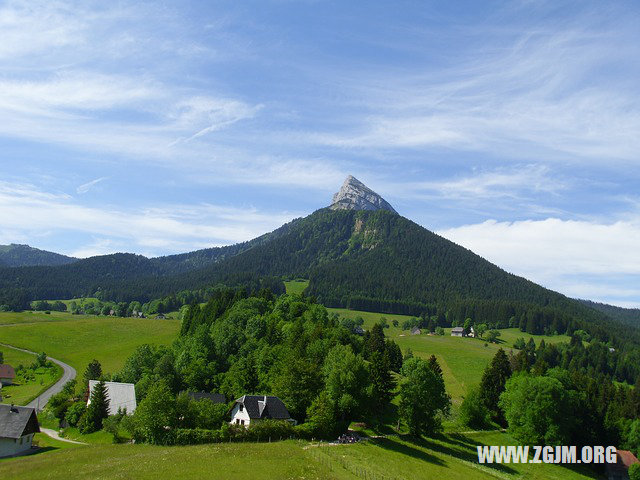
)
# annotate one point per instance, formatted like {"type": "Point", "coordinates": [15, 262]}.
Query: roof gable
{"type": "Point", "coordinates": [264, 407]}
{"type": "Point", "coordinates": [7, 371]}
{"type": "Point", "coordinates": [16, 422]}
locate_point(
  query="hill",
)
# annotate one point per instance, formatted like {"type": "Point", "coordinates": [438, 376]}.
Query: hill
{"type": "Point", "coordinates": [628, 316]}
{"type": "Point", "coordinates": [15, 255]}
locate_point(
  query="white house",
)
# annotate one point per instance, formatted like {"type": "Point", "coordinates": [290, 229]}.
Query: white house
{"type": "Point", "coordinates": [18, 425]}
{"type": "Point", "coordinates": [457, 332]}
{"type": "Point", "coordinates": [253, 408]}
{"type": "Point", "coordinates": [7, 374]}
{"type": "Point", "coordinates": [120, 395]}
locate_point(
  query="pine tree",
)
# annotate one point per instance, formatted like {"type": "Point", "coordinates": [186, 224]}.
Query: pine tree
{"type": "Point", "coordinates": [493, 381]}
{"type": "Point", "coordinates": [93, 372]}
{"type": "Point", "coordinates": [382, 383]}
{"type": "Point", "coordinates": [375, 342]}
{"type": "Point", "coordinates": [435, 366]}
{"type": "Point", "coordinates": [97, 410]}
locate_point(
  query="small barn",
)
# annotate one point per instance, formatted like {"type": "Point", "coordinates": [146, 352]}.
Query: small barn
{"type": "Point", "coordinates": [18, 425]}
{"type": "Point", "coordinates": [618, 470]}
{"type": "Point", "coordinates": [415, 331]}
{"type": "Point", "coordinates": [253, 408]}
{"type": "Point", "coordinates": [122, 396]}
{"type": "Point", "coordinates": [457, 332]}
{"type": "Point", "coordinates": [7, 374]}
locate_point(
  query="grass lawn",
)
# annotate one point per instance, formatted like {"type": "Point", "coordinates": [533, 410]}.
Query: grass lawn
{"type": "Point", "coordinates": [23, 392]}
{"type": "Point", "coordinates": [448, 457]}
{"type": "Point", "coordinates": [78, 340]}
{"type": "Point", "coordinates": [278, 460]}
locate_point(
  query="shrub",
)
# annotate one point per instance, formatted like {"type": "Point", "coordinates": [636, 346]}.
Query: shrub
{"type": "Point", "coordinates": [473, 411]}
{"type": "Point", "coordinates": [197, 436]}
{"type": "Point", "coordinates": [634, 471]}
{"type": "Point", "coordinates": [74, 413]}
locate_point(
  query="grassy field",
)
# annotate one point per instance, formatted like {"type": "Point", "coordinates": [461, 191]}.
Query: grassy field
{"type": "Point", "coordinates": [296, 286]}
{"type": "Point", "coordinates": [23, 392]}
{"type": "Point", "coordinates": [450, 457]}
{"type": "Point", "coordinates": [79, 339]}
{"type": "Point", "coordinates": [13, 318]}
{"type": "Point", "coordinates": [462, 359]}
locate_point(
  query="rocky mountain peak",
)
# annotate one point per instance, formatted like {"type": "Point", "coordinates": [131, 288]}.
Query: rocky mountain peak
{"type": "Point", "coordinates": [355, 195]}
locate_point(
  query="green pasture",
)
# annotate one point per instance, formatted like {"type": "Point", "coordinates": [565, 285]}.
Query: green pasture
{"type": "Point", "coordinates": [12, 318]}
{"type": "Point", "coordinates": [80, 339]}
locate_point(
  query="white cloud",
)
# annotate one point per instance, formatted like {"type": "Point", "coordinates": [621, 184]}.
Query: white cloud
{"type": "Point", "coordinates": [579, 258]}
{"type": "Point", "coordinates": [156, 230]}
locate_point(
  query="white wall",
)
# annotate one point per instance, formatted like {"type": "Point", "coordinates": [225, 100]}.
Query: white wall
{"type": "Point", "coordinates": [10, 446]}
{"type": "Point", "coordinates": [243, 416]}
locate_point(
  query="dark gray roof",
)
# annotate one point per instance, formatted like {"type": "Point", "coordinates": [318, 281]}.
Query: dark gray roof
{"type": "Point", "coordinates": [457, 329]}
{"type": "Point", "coordinates": [261, 406]}
{"type": "Point", "coordinates": [17, 421]}
{"type": "Point", "coordinates": [214, 397]}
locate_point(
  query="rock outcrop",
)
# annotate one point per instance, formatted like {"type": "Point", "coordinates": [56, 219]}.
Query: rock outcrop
{"type": "Point", "coordinates": [355, 195]}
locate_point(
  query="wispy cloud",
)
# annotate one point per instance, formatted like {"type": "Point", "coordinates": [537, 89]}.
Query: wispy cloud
{"type": "Point", "coordinates": [171, 228]}
{"type": "Point", "coordinates": [85, 187]}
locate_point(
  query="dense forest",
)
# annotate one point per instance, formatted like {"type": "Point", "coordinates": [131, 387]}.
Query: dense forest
{"type": "Point", "coordinates": [628, 316]}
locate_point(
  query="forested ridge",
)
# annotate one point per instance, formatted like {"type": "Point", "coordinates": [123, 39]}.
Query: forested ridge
{"type": "Point", "coordinates": [15, 255]}
{"type": "Point", "coordinates": [368, 260]}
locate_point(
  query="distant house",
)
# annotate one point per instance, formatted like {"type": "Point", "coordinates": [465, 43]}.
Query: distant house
{"type": "Point", "coordinates": [415, 331]}
{"type": "Point", "coordinates": [120, 395]}
{"type": "Point", "coordinates": [161, 316]}
{"type": "Point", "coordinates": [618, 470]}
{"type": "Point", "coordinates": [472, 333]}
{"type": "Point", "coordinates": [358, 330]}
{"type": "Point", "coordinates": [18, 425]}
{"type": "Point", "coordinates": [457, 332]}
{"type": "Point", "coordinates": [7, 374]}
{"type": "Point", "coordinates": [214, 397]}
{"type": "Point", "coordinates": [253, 408]}
{"type": "Point", "coordinates": [612, 350]}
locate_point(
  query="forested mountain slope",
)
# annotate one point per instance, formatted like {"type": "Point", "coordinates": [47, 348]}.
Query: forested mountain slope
{"type": "Point", "coordinates": [629, 316]}
{"type": "Point", "coordinates": [15, 255]}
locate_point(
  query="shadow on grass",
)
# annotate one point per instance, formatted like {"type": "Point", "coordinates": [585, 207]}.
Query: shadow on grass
{"type": "Point", "coordinates": [404, 449]}
{"type": "Point", "coordinates": [466, 450]}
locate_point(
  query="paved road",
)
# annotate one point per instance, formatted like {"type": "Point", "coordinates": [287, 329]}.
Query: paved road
{"type": "Point", "coordinates": [54, 434]}
{"type": "Point", "coordinates": [69, 373]}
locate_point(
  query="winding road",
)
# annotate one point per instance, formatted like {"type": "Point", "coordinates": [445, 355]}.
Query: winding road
{"type": "Point", "coordinates": [69, 373]}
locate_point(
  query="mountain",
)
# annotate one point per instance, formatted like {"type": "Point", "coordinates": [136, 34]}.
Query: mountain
{"type": "Point", "coordinates": [355, 195]}
{"type": "Point", "coordinates": [15, 255]}
{"type": "Point", "coordinates": [357, 253]}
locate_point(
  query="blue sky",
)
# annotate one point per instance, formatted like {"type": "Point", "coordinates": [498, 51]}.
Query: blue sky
{"type": "Point", "coordinates": [511, 128]}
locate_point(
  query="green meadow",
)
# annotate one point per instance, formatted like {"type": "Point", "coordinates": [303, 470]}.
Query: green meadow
{"type": "Point", "coordinates": [77, 339]}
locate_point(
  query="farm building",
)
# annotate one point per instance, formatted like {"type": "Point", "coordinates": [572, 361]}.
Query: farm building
{"type": "Point", "coordinates": [252, 408]}
{"type": "Point", "coordinates": [457, 332]}
{"type": "Point", "coordinates": [618, 470]}
{"type": "Point", "coordinates": [7, 374]}
{"type": "Point", "coordinates": [214, 397]}
{"type": "Point", "coordinates": [18, 425]}
{"type": "Point", "coordinates": [120, 395]}
{"type": "Point", "coordinates": [415, 331]}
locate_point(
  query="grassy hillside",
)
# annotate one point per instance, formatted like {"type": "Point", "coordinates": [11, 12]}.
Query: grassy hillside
{"type": "Point", "coordinates": [77, 340]}
{"type": "Point", "coordinates": [450, 457]}
{"type": "Point", "coordinates": [462, 359]}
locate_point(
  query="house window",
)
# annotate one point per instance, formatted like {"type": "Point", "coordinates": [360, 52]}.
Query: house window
{"type": "Point", "coordinates": [241, 407]}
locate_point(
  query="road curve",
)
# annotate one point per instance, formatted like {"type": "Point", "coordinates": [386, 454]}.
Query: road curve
{"type": "Point", "coordinates": [69, 373]}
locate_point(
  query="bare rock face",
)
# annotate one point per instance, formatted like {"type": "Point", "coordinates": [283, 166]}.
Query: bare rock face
{"type": "Point", "coordinates": [355, 195]}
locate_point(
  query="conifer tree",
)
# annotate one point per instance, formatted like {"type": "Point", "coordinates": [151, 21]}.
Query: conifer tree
{"type": "Point", "coordinates": [97, 410]}
{"type": "Point", "coordinates": [382, 383]}
{"type": "Point", "coordinates": [493, 383]}
{"type": "Point", "coordinates": [435, 366]}
{"type": "Point", "coordinates": [93, 372]}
